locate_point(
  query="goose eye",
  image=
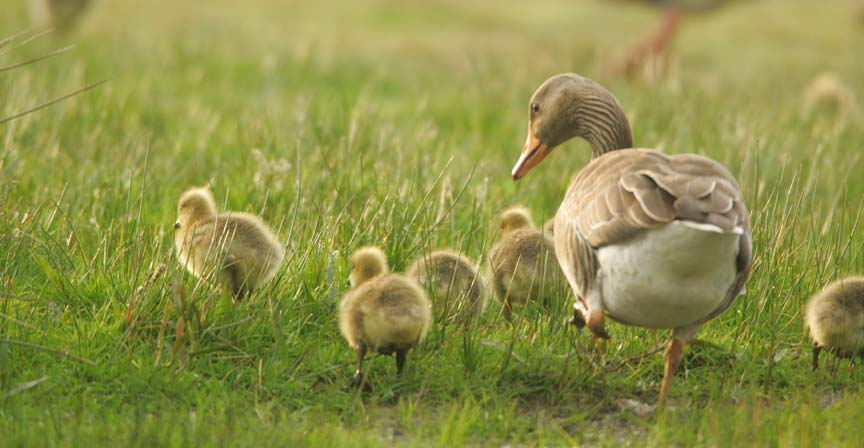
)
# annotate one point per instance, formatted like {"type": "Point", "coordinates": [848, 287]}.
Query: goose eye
{"type": "Point", "coordinates": [535, 107]}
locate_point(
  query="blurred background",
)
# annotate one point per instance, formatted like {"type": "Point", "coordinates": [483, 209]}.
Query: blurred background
{"type": "Point", "coordinates": [182, 70]}
{"type": "Point", "coordinates": [760, 43]}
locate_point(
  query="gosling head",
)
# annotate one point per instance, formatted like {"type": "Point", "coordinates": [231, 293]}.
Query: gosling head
{"type": "Point", "coordinates": [195, 204]}
{"type": "Point", "coordinates": [567, 106]}
{"type": "Point", "coordinates": [514, 218]}
{"type": "Point", "coordinates": [367, 263]}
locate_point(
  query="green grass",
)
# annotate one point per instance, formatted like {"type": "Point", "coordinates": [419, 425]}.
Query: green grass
{"type": "Point", "coordinates": [341, 122]}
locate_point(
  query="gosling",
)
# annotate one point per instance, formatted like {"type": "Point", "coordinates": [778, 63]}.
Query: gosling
{"type": "Point", "coordinates": [523, 263]}
{"type": "Point", "coordinates": [384, 312]}
{"type": "Point", "coordinates": [452, 280]}
{"type": "Point", "coordinates": [827, 91]}
{"type": "Point", "coordinates": [836, 319]}
{"type": "Point", "coordinates": [235, 249]}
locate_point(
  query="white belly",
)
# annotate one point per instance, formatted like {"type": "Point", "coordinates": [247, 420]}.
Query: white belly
{"type": "Point", "coordinates": [669, 277]}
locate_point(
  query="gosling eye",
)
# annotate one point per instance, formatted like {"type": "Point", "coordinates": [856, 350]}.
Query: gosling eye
{"type": "Point", "coordinates": [535, 107]}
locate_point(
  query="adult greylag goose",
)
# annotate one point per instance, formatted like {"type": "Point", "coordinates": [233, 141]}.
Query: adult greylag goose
{"type": "Point", "coordinates": [836, 319]}
{"type": "Point", "coordinates": [649, 239]}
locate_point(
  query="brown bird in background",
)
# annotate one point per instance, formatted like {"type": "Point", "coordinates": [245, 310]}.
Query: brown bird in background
{"type": "Point", "coordinates": [860, 12]}
{"type": "Point", "coordinates": [651, 50]}
{"type": "Point", "coordinates": [63, 15]}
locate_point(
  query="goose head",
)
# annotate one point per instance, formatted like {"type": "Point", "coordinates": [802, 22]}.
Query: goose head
{"type": "Point", "coordinates": [567, 106]}
{"type": "Point", "coordinates": [367, 263]}
{"type": "Point", "coordinates": [195, 204]}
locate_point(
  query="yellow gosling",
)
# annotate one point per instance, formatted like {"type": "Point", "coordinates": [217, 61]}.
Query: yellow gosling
{"type": "Point", "coordinates": [235, 249]}
{"type": "Point", "coordinates": [523, 263]}
{"type": "Point", "coordinates": [452, 280]}
{"type": "Point", "coordinates": [383, 312]}
{"type": "Point", "coordinates": [835, 317]}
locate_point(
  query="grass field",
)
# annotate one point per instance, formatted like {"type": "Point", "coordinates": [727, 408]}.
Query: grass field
{"type": "Point", "coordinates": [341, 123]}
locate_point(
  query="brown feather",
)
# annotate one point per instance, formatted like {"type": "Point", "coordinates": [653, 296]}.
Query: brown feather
{"type": "Point", "coordinates": [628, 191]}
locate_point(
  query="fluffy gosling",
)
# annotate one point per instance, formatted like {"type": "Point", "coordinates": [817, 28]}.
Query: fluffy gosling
{"type": "Point", "coordinates": [828, 92]}
{"type": "Point", "coordinates": [383, 312]}
{"type": "Point", "coordinates": [523, 262]}
{"type": "Point", "coordinates": [236, 249]}
{"type": "Point", "coordinates": [836, 319]}
{"type": "Point", "coordinates": [452, 280]}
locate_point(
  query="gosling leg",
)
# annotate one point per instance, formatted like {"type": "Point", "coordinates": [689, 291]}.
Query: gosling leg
{"type": "Point", "coordinates": [816, 350]}
{"type": "Point", "coordinates": [359, 378]}
{"type": "Point", "coordinates": [401, 355]}
{"type": "Point", "coordinates": [240, 293]}
{"type": "Point", "coordinates": [234, 278]}
{"type": "Point", "coordinates": [507, 311]}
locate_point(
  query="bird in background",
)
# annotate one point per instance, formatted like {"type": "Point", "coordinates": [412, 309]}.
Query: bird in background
{"type": "Point", "coordinates": [62, 15]}
{"type": "Point", "coordinates": [650, 53]}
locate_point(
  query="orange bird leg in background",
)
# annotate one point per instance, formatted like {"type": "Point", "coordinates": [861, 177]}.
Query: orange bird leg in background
{"type": "Point", "coordinates": [654, 46]}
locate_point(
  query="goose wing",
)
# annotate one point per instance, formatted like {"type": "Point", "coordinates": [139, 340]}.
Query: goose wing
{"type": "Point", "coordinates": [628, 191]}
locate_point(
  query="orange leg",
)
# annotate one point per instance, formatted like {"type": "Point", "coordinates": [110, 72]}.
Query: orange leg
{"type": "Point", "coordinates": [595, 323]}
{"type": "Point", "coordinates": [594, 320]}
{"type": "Point", "coordinates": [672, 358]}
{"type": "Point", "coordinates": [654, 46]}
{"type": "Point", "coordinates": [660, 41]}
{"type": "Point", "coordinates": [598, 344]}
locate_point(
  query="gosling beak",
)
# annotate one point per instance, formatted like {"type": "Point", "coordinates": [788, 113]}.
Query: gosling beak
{"type": "Point", "coordinates": [176, 225]}
{"type": "Point", "coordinates": [532, 153]}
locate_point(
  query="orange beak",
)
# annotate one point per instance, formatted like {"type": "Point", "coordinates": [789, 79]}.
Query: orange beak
{"type": "Point", "coordinates": [533, 153]}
